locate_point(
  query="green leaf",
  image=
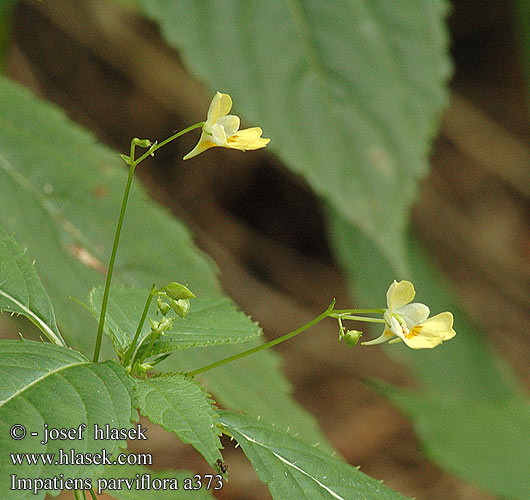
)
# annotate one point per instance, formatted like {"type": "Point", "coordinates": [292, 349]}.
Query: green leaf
{"type": "Point", "coordinates": [178, 404]}
{"type": "Point", "coordinates": [211, 321]}
{"type": "Point", "coordinates": [489, 438]}
{"type": "Point", "coordinates": [44, 384]}
{"type": "Point", "coordinates": [294, 470]}
{"type": "Point", "coordinates": [21, 291]}
{"type": "Point", "coordinates": [134, 493]}
{"type": "Point", "coordinates": [61, 193]}
{"type": "Point", "coordinates": [471, 414]}
{"type": "Point", "coordinates": [349, 92]}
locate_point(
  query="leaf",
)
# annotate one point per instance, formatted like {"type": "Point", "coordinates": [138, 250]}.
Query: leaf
{"type": "Point", "coordinates": [178, 404]}
{"type": "Point", "coordinates": [21, 291]}
{"type": "Point", "coordinates": [297, 471]}
{"type": "Point", "coordinates": [471, 414]}
{"type": "Point", "coordinates": [61, 192]}
{"type": "Point", "coordinates": [211, 321]}
{"type": "Point", "coordinates": [44, 384]}
{"type": "Point", "coordinates": [128, 471]}
{"type": "Point", "coordinates": [349, 92]}
{"type": "Point", "coordinates": [489, 437]}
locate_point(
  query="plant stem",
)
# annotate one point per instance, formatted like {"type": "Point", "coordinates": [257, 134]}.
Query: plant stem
{"type": "Point", "coordinates": [152, 149]}
{"type": "Point", "coordinates": [92, 494]}
{"type": "Point", "coordinates": [358, 311]}
{"type": "Point", "coordinates": [132, 165]}
{"type": "Point", "coordinates": [274, 342]}
{"type": "Point", "coordinates": [357, 318]}
{"type": "Point", "coordinates": [130, 351]}
{"type": "Point", "coordinates": [103, 312]}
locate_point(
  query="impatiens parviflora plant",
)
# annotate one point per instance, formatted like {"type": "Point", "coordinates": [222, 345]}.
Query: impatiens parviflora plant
{"type": "Point", "coordinates": [139, 348]}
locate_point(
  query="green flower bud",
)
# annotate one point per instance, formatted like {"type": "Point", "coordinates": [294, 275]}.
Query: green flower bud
{"type": "Point", "coordinates": [177, 291]}
{"type": "Point", "coordinates": [181, 306]}
{"type": "Point", "coordinates": [143, 143]}
{"type": "Point", "coordinates": [162, 307]}
{"type": "Point", "coordinates": [351, 337]}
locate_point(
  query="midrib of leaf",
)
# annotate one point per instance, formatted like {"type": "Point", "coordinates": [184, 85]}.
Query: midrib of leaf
{"type": "Point", "coordinates": [47, 374]}
{"type": "Point", "coordinates": [314, 63]}
{"type": "Point", "coordinates": [304, 33]}
{"type": "Point", "coordinates": [41, 324]}
{"type": "Point", "coordinates": [290, 464]}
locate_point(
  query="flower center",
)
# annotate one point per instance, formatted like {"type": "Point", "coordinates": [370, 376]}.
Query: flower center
{"type": "Point", "coordinates": [414, 332]}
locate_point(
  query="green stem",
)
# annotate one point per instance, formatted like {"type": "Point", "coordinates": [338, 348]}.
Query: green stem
{"type": "Point", "coordinates": [92, 494]}
{"type": "Point", "coordinates": [359, 311]}
{"type": "Point", "coordinates": [132, 165]}
{"type": "Point", "coordinates": [357, 318]}
{"type": "Point", "coordinates": [153, 148]}
{"type": "Point", "coordinates": [272, 343]}
{"type": "Point", "coordinates": [146, 353]}
{"type": "Point", "coordinates": [104, 302]}
{"type": "Point", "coordinates": [130, 351]}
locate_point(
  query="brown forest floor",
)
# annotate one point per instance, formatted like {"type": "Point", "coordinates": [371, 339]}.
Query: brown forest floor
{"type": "Point", "coordinates": [118, 79]}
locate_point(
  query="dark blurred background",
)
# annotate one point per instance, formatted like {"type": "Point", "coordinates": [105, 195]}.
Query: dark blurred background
{"type": "Point", "coordinates": [110, 71]}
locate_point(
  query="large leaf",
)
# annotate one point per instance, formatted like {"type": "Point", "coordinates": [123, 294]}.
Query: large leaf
{"type": "Point", "coordinates": [135, 491]}
{"type": "Point", "coordinates": [210, 321]}
{"type": "Point", "coordinates": [349, 92]}
{"type": "Point", "coordinates": [61, 191]}
{"type": "Point", "coordinates": [46, 385]}
{"type": "Point", "coordinates": [177, 403]}
{"type": "Point", "coordinates": [295, 471]}
{"type": "Point", "coordinates": [471, 414]}
{"type": "Point", "coordinates": [21, 291]}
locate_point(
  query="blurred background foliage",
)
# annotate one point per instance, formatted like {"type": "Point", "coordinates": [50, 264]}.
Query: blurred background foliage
{"type": "Point", "coordinates": [327, 84]}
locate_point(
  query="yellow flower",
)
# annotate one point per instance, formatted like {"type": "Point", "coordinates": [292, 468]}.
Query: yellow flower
{"type": "Point", "coordinates": [222, 129]}
{"type": "Point", "coordinates": [409, 321]}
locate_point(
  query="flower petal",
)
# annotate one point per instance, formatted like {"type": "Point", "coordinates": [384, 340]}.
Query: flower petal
{"type": "Point", "coordinates": [205, 142]}
{"type": "Point", "coordinates": [431, 332]}
{"type": "Point", "coordinates": [249, 138]}
{"type": "Point", "coordinates": [230, 123]}
{"type": "Point", "coordinates": [413, 314]}
{"type": "Point", "coordinates": [387, 334]}
{"type": "Point", "coordinates": [217, 134]}
{"type": "Point", "coordinates": [220, 106]}
{"type": "Point", "coordinates": [393, 324]}
{"type": "Point", "coordinates": [399, 294]}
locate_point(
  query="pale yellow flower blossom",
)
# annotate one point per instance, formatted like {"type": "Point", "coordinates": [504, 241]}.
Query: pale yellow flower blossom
{"type": "Point", "coordinates": [222, 129]}
{"type": "Point", "coordinates": [409, 321]}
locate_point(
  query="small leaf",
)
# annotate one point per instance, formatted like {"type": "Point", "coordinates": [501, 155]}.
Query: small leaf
{"type": "Point", "coordinates": [133, 493]}
{"type": "Point", "coordinates": [177, 403]}
{"type": "Point", "coordinates": [44, 384]}
{"type": "Point", "coordinates": [21, 291]}
{"type": "Point", "coordinates": [294, 470]}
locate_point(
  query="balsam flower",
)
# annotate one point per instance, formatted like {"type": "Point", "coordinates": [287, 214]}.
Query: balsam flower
{"type": "Point", "coordinates": [410, 322]}
{"type": "Point", "coordinates": [222, 129]}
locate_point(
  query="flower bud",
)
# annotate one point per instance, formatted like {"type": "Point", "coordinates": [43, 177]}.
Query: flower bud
{"type": "Point", "coordinates": [162, 307]}
{"type": "Point", "coordinates": [181, 306]}
{"type": "Point", "coordinates": [177, 291]}
{"type": "Point", "coordinates": [351, 337]}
